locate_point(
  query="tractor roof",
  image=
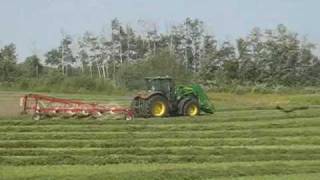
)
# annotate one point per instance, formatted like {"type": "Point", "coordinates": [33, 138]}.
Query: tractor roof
{"type": "Point", "coordinates": [159, 78]}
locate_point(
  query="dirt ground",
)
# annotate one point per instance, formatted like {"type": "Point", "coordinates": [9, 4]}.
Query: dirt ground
{"type": "Point", "coordinates": [9, 104]}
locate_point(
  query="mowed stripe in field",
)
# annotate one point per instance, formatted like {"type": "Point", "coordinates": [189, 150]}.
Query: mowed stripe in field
{"type": "Point", "coordinates": [233, 116]}
{"type": "Point", "coordinates": [261, 169]}
{"type": "Point", "coordinates": [169, 150]}
{"type": "Point", "coordinates": [267, 132]}
{"type": "Point", "coordinates": [161, 158]}
{"type": "Point", "coordinates": [300, 140]}
{"type": "Point", "coordinates": [285, 123]}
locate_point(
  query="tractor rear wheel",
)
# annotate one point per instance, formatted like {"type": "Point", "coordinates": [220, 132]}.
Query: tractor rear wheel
{"type": "Point", "coordinates": [191, 108]}
{"type": "Point", "coordinates": [158, 106]}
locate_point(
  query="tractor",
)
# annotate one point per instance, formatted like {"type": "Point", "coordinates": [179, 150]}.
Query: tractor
{"type": "Point", "coordinates": [162, 99]}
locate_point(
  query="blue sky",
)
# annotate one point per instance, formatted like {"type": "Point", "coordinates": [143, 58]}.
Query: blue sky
{"type": "Point", "coordinates": [35, 25]}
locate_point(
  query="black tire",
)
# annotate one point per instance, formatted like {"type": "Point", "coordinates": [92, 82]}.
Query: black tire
{"type": "Point", "coordinates": [191, 107]}
{"type": "Point", "coordinates": [181, 105]}
{"type": "Point", "coordinates": [134, 105]}
{"type": "Point", "coordinates": [139, 107]}
{"type": "Point", "coordinates": [154, 101]}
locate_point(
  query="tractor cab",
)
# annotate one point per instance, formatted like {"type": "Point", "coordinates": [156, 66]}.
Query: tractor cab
{"type": "Point", "coordinates": [165, 85]}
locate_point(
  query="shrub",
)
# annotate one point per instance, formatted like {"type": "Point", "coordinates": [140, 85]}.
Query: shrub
{"type": "Point", "coordinates": [59, 83]}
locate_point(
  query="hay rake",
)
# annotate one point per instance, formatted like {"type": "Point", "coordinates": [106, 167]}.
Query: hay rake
{"type": "Point", "coordinates": [44, 106]}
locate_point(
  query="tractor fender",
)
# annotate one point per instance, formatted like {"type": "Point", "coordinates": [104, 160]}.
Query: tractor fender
{"type": "Point", "coordinates": [147, 95]}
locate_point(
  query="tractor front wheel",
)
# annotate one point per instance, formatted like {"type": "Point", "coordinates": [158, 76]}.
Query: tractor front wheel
{"type": "Point", "coordinates": [158, 106]}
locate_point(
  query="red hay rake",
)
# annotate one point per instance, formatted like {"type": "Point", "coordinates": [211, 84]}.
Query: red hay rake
{"type": "Point", "coordinates": [44, 106]}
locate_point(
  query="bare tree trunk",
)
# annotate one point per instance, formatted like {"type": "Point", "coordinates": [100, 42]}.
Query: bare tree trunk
{"type": "Point", "coordinates": [149, 45]}
{"type": "Point", "coordinates": [62, 68]}
{"type": "Point", "coordinates": [194, 59]}
{"type": "Point", "coordinates": [107, 70]}
{"type": "Point", "coordinates": [98, 68]}
{"type": "Point", "coordinates": [186, 57]}
{"type": "Point", "coordinates": [62, 59]}
{"type": "Point", "coordinates": [114, 71]}
{"type": "Point", "coordinates": [91, 74]}
{"type": "Point", "coordinates": [121, 60]}
{"type": "Point", "coordinates": [66, 70]}
{"type": "Point", "coordinates": [37, 71]}
{"type": "Point", "coordinates": [186, 47]}
{"type": "Point", "coordinates": [82, 68]}
{"type": "Point", "coordinates": [128, 55]}
{"type": "Point", "coordinates": [103, 71]}
{"type": "Point", "coordinates": [171, 45]}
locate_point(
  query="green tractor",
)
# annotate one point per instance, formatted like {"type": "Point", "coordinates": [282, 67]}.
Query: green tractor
{"type": "Point", "coordinates": [163, 99]}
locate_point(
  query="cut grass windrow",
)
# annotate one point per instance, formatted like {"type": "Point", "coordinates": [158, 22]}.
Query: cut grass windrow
{"type": "Point", "coordinates": [160, 142]}
{"type": "Point", "coordinates": [283, 123]}
{"type": "Point", "coordinates": [192, 151]}
{"type": "Point", "coordinates": [162, 171]}
{"type": "Point", "coordinates": [285, 132]}
{"type": "Point", "coordinates": [116, 159]}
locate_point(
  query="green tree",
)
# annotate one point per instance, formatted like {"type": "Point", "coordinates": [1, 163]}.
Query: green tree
{"type": "Point", "coordinates": [62, 57]}
{"type": "Point", "coordinates": [53, 57]}
{"type": "Point", "coordinates": [209, 63]}
{"type": "Point", "coordinates": [8, 60]}
{"type": "Point", "coordinates": [247, 68]}
{"type": "Point", "coordinates": [228, 60]}
{"type": "Point", "coordinates": [67, 57]}
{"type": "Point", "coordinates": [193, 38]}
{"type": "Point", "coordinates": [132, 75]}
{"type": "Point", "coordinates": [33, 66]}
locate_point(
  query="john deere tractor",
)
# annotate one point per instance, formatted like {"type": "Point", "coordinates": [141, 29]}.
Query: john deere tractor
{"type": "Point", "coordinates": [163, 99]}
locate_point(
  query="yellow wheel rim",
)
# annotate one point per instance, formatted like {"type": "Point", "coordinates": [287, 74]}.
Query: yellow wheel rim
{"type": "Point", "coordinates": [192, 110]}
{"type": "Point", "coordinates": [159, 109]}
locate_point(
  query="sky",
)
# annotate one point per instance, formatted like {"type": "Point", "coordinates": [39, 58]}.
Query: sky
{"type": "Point", "coordinates": [36, 26]}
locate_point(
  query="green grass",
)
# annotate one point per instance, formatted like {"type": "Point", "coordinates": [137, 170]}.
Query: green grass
{"type": "Point", "coordinates": [245, 139]}
{"type": "Point", "coordinates": [164, 171]}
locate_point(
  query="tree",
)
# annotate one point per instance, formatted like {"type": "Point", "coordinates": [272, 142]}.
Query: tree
{"type": "Point", "coordinates": [195, 40]}
{"type": "Point", "coordinates": [132, 75]}
{"type": "Point", "coordinates": [117, 40]}
{"type": "Point", "coordinates": [150, 37]}
{"type": "Point", "coordinates": [247, 66]}
{"type": "Point", "coordinates": [187, 40]}
{"type": "Point", "coordinates": [83, 52]}
{"type": "Point", "coordinates": [209, 58]}
{"type": "Point", "coordinates": [309, 65]}
{"type": "Point", "coordinates": [67, 58]}
{"type": "Point", "coordinates": [228, 60]}
{"type": "Point", "coordinates": [131, 52]}
{"type": "Point", "coordinates": [272, 56]}
{"type": "Point", "coordinates": [62, 57]}
{"type": "Point", "coordinates": [178, 43]}
{"type": "Point", "coordinates": [106, 56]}
{"type": "Point", "coordinates": [53, 57]}
{"type": "Point", "coordinates": [33, 66]}
{"type": "Point", "coordinates": [8, 60]}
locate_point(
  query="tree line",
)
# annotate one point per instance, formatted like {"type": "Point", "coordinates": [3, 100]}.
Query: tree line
{"type": "Point", "coordinates": [186, 51]}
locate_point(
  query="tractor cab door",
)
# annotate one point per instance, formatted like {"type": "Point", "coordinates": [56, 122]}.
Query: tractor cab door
{"type": "Point", "coordinates": [166, 86]}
